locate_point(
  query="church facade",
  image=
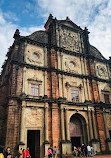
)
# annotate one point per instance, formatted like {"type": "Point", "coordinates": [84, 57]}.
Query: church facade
{"type": "Point", "coordinates": [55, 90]}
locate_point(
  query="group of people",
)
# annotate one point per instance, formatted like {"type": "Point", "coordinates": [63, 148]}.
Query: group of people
{"type": "Point", "coordinates": [5, 153]}
{"type": "Point", "coordinates": [84, 150]}
{"type": "Point", "coordinates": [52, 153]}
{"type": "Point", "coordinates": [21, 153]}
{"type": "Point", "coordinates": [24, 153]}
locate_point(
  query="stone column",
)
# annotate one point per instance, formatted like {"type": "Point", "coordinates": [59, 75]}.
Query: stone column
{"type": "Point", "coordinates": [45, 56]}
{"type": "Point", "coordinates": [90, 125]}
{"type": "Point", "coordinates": [46, 143]}
{"type": "Point", "coordinates": [88, 89]}
{"type": "Point", "coordinates": [95, 144]}
{"type": "Point", "coordinates": [59, 60]}
{"type": "Point", "coordinates": [68, 146]}
{"type": "Point", "coordinates": [85, 87]}
{"type": "Point", "coordinates": [46, 121]}
{"type": "Point", "coordinates": [60, 86]}
{"type": "Point", "coordinates": [62, 125]}
{"type": "Point", "coordinates": [106, 131]}
{"type": "Point", "coordinates": [82, 66]}
{"type": "Point", "coordinates": [22, 131]}
{"type": "Point", "coordinates": [26, 52]}
{"type": "Point", "coordinates": [45, 83]}
{"type": "Point", "coordinates": [88, 132]}
{"type": "Point", "coordinates": [94, 125]}
{"type": "Point", "coordinates": [84, 133]}
{"type": "Point", "coordinates": [105, 123]}
{"type": "Point", "coordinates": [24, 75]}
{"type": "Point", "coordinates": [85, 66]}
{"type": "Point", "coordinates": [62, 78]}
{"type": "Point", "coordinates": [61, 57]}
{"type": "Point", "coordinates": [67, 127]}
{"type": "Point", "coordinates": [63, 142]}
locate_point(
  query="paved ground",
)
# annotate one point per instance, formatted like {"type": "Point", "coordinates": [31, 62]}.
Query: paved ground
{"type": "Point", "coordinates": [98, 156]}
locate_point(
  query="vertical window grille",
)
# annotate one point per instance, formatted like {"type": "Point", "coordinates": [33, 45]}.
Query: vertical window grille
{"type": "Point", "coordinates": [35, 89]}
{"type": "Point", "coordinates": [75, 95]}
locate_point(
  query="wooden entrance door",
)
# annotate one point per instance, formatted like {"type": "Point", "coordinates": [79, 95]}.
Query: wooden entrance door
{"type": "Point", "coordinates": [33, 142]}
{"type": "Point", "coordinates": [76, 131]}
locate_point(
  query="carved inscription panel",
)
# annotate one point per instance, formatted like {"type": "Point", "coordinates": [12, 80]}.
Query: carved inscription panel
{"type": "Point", "coordinates": [34, 117]}
{"type": "Point", "coordinates": [70, 40]}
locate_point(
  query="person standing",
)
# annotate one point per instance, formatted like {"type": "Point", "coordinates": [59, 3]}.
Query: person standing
{"type": "Point", "coordinates": [82, 150]}
{"type": "Point", "coordinates": [88, 150]}
{"type": "Point", "coordinates": [52, 151]}
{"type": "Point", "coordinates": [27, 153]}
{"type": "Point", "coordinates": [85, 146]}
{"type": "Point", "coordinates": [74, 150]}
{"type": "Point", "coordinates": [1, 153]}
{"type": "Point", "coordinates": [23, 153]}
{"type": "Point", "coordinates": [8, 154]}
{"type": "Point", "coordinates": [19, 154]}
{"type": "Point", "coordinates": [49, 153]}
{"type": "Point", "coordinates": [55, 152]}
{"type": "Point", "coordinates": [92, 151]}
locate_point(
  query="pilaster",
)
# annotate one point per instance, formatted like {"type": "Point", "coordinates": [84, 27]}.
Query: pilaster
{"type": "Point", "coordinates": [90, 125]}
{"type": "Point", "coordinates": [46, 142]}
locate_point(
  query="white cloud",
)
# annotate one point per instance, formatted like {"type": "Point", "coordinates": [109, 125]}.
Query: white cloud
{"type": "Point", "coordinates": [10, 16]}
{"type": "Point", "coordinates": [94, 14]}
{"type": "Point", "coordinates": [7, 30]}
{"type": "Point", "coordinates": [100, 30]}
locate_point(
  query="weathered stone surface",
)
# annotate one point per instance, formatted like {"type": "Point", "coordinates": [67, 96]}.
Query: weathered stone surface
{"type": "Point", "coordinates": [59, 60]}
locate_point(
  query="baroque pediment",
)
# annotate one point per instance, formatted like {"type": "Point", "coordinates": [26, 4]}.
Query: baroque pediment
{"type": "Point", "coordinates": [69, 23]}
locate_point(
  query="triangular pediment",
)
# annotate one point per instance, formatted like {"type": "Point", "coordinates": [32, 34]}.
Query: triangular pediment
{"type": "Point", "coordinates": [69, 23]}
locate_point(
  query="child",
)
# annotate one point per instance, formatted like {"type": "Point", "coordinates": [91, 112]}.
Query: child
{"type": "Point", "coordinates": [55, 152]}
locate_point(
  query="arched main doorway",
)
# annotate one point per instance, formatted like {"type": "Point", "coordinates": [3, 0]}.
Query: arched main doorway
{"type": "Point", "coordinates": [78, 130]}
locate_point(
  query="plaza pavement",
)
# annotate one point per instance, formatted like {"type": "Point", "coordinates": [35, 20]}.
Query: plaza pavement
{"type": "Point", "coordinates": [97, 156]}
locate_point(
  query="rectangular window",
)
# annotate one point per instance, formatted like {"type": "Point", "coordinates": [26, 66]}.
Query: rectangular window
{"type": "Point", "coordinates": [75, 95]}
{"type": "Point", "coordinates": [106, 97]}
{"type": "Point", "coordinates": [35, 89]}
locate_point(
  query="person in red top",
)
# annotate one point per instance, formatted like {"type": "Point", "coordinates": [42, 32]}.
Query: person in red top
{"type": "Point", "coordinates": [27, 153]}
{"type": "Point", "coordinates": [24, 155]}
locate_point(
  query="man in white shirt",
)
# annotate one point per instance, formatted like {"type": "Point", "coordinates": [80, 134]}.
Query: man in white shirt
{"type": "Point", "coordinates": [88, 150]}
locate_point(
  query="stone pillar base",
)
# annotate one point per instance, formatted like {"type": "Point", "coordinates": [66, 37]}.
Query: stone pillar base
{"type": "Point", "coordinates": [109, 147]}
{"type": "Point", "coordinates": [46, 146]}
{"type": "Point", "coordinates": [108, 142]}
{"type": "Point", "coordinates": [68, 148]}
{"type": "Point", "coordinates": [63, 147]}
{"type": "Point", "coordinates": [96, 145]}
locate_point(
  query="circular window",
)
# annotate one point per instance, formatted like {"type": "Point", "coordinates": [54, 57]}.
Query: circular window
{"type": "Point", "coordinates": [71, 64]}
{"type": "Point", "coordinates": [35, 56]}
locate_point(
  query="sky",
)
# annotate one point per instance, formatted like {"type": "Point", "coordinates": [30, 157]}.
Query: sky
{"type": "Point", "coordinates": [30, 15]}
